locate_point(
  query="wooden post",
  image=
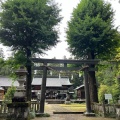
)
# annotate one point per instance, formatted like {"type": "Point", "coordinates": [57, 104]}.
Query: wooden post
{"type": "Point", "coordinates": [87, 94]}
{"type": "Point", "coordinates": [104, 110]}
{"type": "Point", "coordinates": [43, 89]}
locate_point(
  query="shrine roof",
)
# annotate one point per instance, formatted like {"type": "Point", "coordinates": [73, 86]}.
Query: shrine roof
{"type": "Point", "coordinates": [52, 82]}
{"type": "Point", "coordinates": [7, 82]}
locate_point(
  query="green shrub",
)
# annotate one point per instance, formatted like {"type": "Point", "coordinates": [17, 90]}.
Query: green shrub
{"type": "Point", "coordinates": [9, 94]}
{"type": "Point", "coordinates": [103, 89]}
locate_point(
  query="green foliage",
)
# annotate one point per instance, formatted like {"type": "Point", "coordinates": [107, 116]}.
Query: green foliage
{"type": "Point", "coordinates": [91, 30]}
{"type": "Point", "coordinates": [77, 81]}
{"type": "Point", "coordinates": [101, 93]}
{"type": "Point", "coordinates": [8, 67]}
{"type": "Point", "coordinates": [5, 67]}
{"type": "Point", "coordinates": [108, 73]}
{"type": "Point", "coordinates": [116, 92]}
{"type": "Point", "coordinates": [20, 58]}
{"type": "Point", "coordinates": [9, 94]}
{"type": "Point", "coordinates": [29, 24]}
{"type": "Point", "coordinates": [91, 34]}
{"type": "Point", "coordinates": [75, 94]}
{"type": "Point", "coordinates": [1, 65]}
{"type": "Point", "coordinates": [32, 114]}
{"type": "Point", "coordinates": [117, 57]}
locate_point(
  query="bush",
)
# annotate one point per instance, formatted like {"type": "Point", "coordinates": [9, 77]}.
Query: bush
{"type": "Point", "coordinates": [101, 92]}
{"type": "Point", "coordinates": [9, 94]}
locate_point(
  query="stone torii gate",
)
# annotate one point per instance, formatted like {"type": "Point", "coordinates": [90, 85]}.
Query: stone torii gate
{"type": "Point", "coordinates": [85, 69]}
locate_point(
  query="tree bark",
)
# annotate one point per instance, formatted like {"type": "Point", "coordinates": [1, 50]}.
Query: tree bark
{"type": "Point", "coordinates": [29, 76]}
{"type": "Point", "coordinates": [93, 87]}
{"type": "Point", "coordinates": [92, 82]}
{"type": "Point", "coordinates": [87, 93]}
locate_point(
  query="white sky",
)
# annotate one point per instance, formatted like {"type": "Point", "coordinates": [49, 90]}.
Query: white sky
{"type": "Point", "coordinates": [59, 51]}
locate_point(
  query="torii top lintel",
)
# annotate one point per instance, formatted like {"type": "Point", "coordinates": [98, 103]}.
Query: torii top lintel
{"type": "Point", "coordinates": [42, 60]}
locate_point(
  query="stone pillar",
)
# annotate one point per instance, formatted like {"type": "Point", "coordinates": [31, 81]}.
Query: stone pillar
{"type": "Point", "coordinates": [118, 113]}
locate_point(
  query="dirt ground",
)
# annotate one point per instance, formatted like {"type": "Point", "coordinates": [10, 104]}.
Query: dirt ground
{"type": "Point", "coordinates": [53, 107]}
{"type": "Point", "coordinates": [70, 117]}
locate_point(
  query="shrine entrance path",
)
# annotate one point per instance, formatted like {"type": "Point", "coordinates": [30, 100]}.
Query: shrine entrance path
{"type": "Point", "coordinates": [57, 108]}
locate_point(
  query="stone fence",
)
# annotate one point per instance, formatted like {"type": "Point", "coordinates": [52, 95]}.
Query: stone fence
{"type": "Point", "coordinates": [34, 106]}
{"type": "Point", "coordinates": [107, 110]}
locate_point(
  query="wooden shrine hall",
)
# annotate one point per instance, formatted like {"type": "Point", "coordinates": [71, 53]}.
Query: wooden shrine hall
{"type": "Point", "coordinates": [54, 86]}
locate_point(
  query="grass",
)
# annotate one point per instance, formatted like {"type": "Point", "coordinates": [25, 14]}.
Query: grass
{"type": "Point", "coordinates": [75, 107]}
{"type": "Point", "coordinates": [47, 107]}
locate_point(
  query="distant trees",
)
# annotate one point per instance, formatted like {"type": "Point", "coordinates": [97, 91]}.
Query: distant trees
{"type": "Point", "coordinates": [29, 26]}
{"type": "Point", "coordinates": [91, 34]}
{"type": "Point", "coordinates": [77, 80]}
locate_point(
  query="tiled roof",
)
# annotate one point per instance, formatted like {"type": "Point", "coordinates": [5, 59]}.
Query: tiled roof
{"type": "Point", "coordinates": [52, 82]}
{"type": "Point", "coordinates": [5, 81]}
{"type": "Point", "coordinates": [65, 81]}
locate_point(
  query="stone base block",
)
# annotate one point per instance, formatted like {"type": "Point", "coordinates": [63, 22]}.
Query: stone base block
{"type": "Point", "coordinates": [89, 114]}
{"type": "Point", "coordinates": [42, 115]}
{"type": "Point", "coordinates": [18, 111]}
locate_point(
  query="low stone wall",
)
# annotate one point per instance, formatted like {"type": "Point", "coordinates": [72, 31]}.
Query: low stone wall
{"type": "Point", "coordinates": [107, 110]}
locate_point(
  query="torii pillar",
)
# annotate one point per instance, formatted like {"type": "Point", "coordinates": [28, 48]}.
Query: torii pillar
{"type": "Point", "coordinates": [87, 93]}
{"type": "Point", "coordinates": [43, 89]}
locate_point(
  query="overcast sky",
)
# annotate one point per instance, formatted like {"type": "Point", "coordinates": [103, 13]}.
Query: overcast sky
{"type": "Point", "coordinates": [67, 7]}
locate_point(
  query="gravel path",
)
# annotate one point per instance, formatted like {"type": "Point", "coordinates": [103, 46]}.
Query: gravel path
{"type": "Point", "coordinates": [53, 107]}
{"type": "Point", "coordinates": [71, 117]}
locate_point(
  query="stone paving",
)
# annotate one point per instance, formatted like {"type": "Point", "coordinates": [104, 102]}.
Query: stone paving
{"type": "Point", "coordinates": [57, 108]}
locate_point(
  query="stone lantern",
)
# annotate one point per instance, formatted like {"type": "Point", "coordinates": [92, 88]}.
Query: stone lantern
{"type": "Point", "coordinates": [19, 108]}
{"type": "Point", "coordinates": [20, 92]}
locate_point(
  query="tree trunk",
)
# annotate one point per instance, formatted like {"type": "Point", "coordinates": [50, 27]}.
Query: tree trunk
{"type": "Point", "coordinates": [29, 76]}
{"type": "Point", "coordinates": [92, 82]}
{"type": "Point", "coordinates": [93, 87]}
